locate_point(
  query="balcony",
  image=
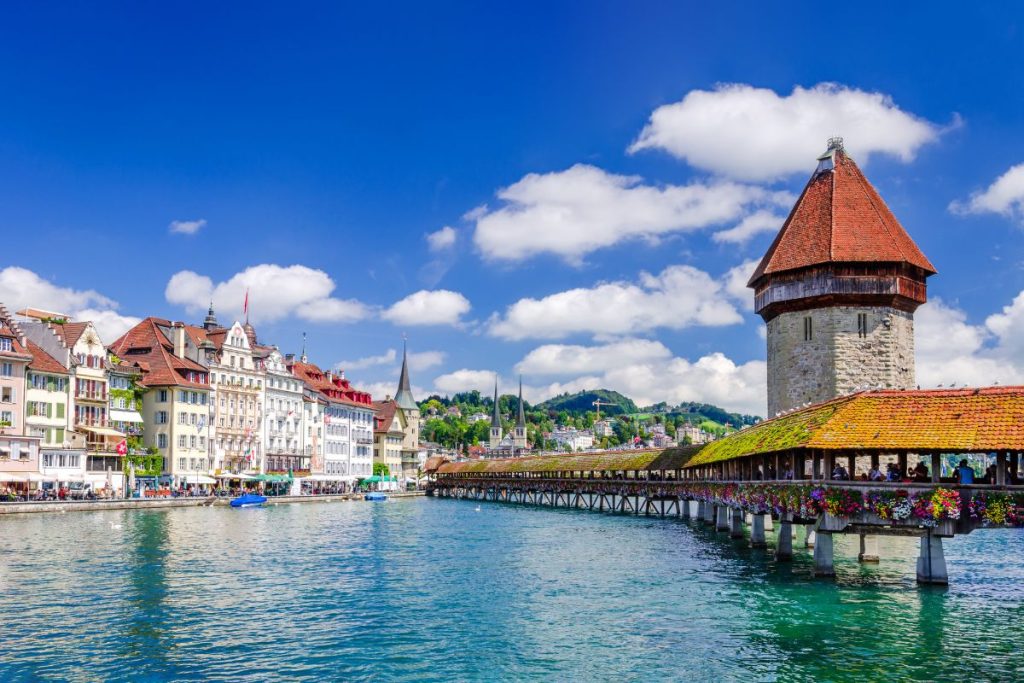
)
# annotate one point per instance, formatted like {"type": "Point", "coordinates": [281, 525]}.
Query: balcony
{"type": "Point", "coordinates": [91, 396]}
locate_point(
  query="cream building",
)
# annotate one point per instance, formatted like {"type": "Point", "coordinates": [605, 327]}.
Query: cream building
{"type": "Point", "coordinates": [176, 404]}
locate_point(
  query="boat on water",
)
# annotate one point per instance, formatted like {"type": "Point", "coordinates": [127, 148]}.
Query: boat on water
{"type": "Point", "coordinates": [375, 496]}
{"type": "Point", "coordinates": [248, 500]}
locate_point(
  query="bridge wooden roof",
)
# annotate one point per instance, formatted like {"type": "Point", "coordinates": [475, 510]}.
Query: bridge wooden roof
{"type": "Point", "coordinates": [944, 420]}
{"type": "Point", "coordinates": [609, 461]}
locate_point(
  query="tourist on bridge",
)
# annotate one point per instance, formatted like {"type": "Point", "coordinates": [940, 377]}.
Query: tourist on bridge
{"type": "Point", "coordinates": [839, 473]}
{"type": "Point", "coordinates": [893, 472]}
{"type": "Point", "coordinates": [920, 471]}
{"type": "Point", "coordinates": [875, 474]}
{"type": "Point", "coordinates": [964, 473]}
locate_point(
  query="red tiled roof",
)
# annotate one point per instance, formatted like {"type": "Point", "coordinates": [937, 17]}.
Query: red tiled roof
{"type": "Point", "coordinates": [17, 350]}
{"type": "Point", "coordinates": [339, 391]}
{"type": "Point", "coordinates": [385, 416]}
{"type": "Point", "coordinates": [71, 332]}
{"type": "Point", "coordinates": [44, 362]}
{"type": "Point", "coordinates": [840, 218]}
{"type": "Point", "coordinates": [146, 344]}
{"type": "Point", "coordinates": [947, 420]}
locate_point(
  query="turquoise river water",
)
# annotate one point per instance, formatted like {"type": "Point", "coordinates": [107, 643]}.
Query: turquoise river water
{"type": "Point", "coordinates": [423, 589]}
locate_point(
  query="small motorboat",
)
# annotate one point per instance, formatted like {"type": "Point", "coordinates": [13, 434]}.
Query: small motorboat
{"type": "Point", "coordinates": [375, 496]}
{"type": "Point", "coordinates": [248, 500]}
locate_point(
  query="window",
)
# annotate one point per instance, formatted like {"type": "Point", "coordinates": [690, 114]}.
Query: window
{"type": "Point", "coordinates": [182, 441]}
{"type": "Point", "coordinates": [161, 441]}
{"type": "Point", "coordinates": [192, 442]}
{"type": "Point", "coordinates": [161, 417]}
{"type": "Point", "coordinates": [862, 325]}
{"type": "Point", "coordinates": [182, 462]}
{"type": "Point", "coordinates": [6, 370]}
{"type": "Point", "coordinates": [161, 396]}
{"type": "Point", "coordinates": [808, 329]}
{"type": "Point", "coordinates": [6, 343]}
{"type": "Point", "coordinates": [7, 395]}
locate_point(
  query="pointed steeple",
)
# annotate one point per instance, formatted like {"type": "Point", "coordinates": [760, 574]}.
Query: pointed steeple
{"type": "Point", "coordinates": [404, 398]}
{"type": "Point", "coordinates": [210, 322]}
{"type": "Point", "coordinates": [521, 420]}
{"type": "Point", "coordinates": [496, 418]}
{"type": "Point", "coordinates": [302, 356]}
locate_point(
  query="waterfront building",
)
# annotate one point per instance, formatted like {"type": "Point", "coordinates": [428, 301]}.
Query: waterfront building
{"type": "Point", "coordinates": [14, 360]}
{"type": "Point", "coordinates": [176, 402]}
{"type": "Point", "coordinates": [837, 290]}
{"type": "Point", "coordinates": [77, 346]}
{"type": "Point", "coordinates": [388, 434]}
{"type": "Point", "coordinates": [410, 420]}
{"type": "Point", "coordinates": [605, 427]}
{"type": "Point", "coordinates": [284, 426]}
{"type": "Point", "coordinates": [237, 377]}
{"type": "Point", "coordinates": [347, 423]}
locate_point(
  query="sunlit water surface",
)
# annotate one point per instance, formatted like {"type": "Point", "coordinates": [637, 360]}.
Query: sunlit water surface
{"type": "Point", "coordinates": [428, 589]}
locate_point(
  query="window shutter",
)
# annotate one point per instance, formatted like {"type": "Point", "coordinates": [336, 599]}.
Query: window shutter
{"type": "Point", "coordinates": [49, 410]}
{"type": "Point", "coordinates": [60, 410]}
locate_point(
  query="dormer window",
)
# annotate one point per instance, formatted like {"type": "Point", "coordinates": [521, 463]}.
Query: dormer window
{"type": "Point", "coordinates": [6, 343]}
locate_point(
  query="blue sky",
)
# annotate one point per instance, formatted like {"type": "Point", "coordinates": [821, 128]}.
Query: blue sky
{"type": "Point", "coordinates": [606, 172]}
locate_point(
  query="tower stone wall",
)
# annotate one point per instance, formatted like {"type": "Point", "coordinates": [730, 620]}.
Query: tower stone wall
{"type": "Point", "coordinates": [844, 354]}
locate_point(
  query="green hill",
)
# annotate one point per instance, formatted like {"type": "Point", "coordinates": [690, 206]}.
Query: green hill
{"type": "Point", "coordinates": [583, 402]}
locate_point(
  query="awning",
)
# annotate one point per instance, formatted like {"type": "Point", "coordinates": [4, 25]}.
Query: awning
{"type": "Point", "coordinates": [36, 477]}
{"type": "Point", "coordinates": [229, 475]}
{"type": "Point", "coordinates": [103, 431]}
{"type": "Point", "coordinates": [199, 479]}
{"type": "Point", "coordinates": [329, 477]}
{"type": "Point", "coordinates": [124, 415]}
{"type": "Point", "coordinates": [7, 477]}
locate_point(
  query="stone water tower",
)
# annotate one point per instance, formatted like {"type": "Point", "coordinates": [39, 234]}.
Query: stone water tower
{"type": "Point", "coordinates": [837, 290]}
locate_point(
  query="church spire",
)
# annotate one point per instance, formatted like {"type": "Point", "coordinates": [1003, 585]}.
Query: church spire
{"type": "Point", "coordinates": [403, 397]}
{"type": "Point", "coordinates": [521, 420]}
{"type": "Point", "coordinates": [302, 356]}
{"type": "Point", "coordinates": [210, 322]}
{"type": "Point", "coordinates": [496, 418]}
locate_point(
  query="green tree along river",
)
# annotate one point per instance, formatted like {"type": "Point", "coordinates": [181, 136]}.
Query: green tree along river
{"type": "Point", "coordinates": [427, 589]}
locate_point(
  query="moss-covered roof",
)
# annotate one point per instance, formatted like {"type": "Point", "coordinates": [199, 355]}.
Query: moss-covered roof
{"type": "Point", "coordinates": [946, 420]}
{"type": "Point", "coordinates": [673, 458]}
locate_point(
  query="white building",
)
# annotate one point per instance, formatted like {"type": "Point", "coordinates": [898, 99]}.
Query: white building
{"type": "Point", "coordinates": [573, 439]}
{"type": "Point", "coordinates": [284, 426]}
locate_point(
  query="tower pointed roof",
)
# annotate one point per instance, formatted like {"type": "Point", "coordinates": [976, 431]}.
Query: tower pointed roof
{"type": "Point", "coordinates": [496, 417]}
{"type": "Point", "coordinates": [404, 397]}
{"type": "Point", "coordinates": [839, 218]}
{"type": "Point", "coordinates": [521, 419]}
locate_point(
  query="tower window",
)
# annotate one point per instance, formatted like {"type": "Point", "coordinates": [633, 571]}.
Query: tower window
{"type": "Point", "coordinates": [808, 329]}
{"type": "Point", "coordinates": [862, 325]}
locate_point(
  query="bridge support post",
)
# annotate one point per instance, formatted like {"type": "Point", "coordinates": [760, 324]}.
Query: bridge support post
{"type": "Point", "coordinates": [809, 536]}
{"type": "Point", "coordinates": [709, 514]}
{"type": "Point", "coordinates": [736, 524]}
{"type": "Point", "coordinates": [769, 525]}
{"type": "Point", "coordinates": [931, 563]}
{"type": "Point", "coordinates": [868, 549]}
{"type": "Point", "coordinates": [823, 565]}
{"type": "Point", "coordinates": [784, 548]}
{"type": "Point", "coordinates": [757, 538]}
{"type": "Point", "coordinates": [684, 508]}
{"type": "Point", "coordinates": [722, 518]}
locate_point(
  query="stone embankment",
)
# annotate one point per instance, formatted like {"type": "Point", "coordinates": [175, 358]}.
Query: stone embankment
{"type": "Point", "coordinates": [162, 503]}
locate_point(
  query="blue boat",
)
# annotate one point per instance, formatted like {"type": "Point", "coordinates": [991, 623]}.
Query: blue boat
{"type": "Point", "coordinates": [375, 496]}
{"type": "Point", "coordinates": [248, 500]}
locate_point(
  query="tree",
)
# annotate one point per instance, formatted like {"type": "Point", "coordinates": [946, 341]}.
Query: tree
{"type": "Point", "coordinates": [381, 469]}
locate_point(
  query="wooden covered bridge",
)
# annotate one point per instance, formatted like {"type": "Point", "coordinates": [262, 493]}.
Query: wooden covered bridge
{"type": "Point", "coordinates": [808, 467]}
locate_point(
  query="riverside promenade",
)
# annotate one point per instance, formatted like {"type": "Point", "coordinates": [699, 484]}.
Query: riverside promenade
{"type": "Point", "coordinates": [28, 507]}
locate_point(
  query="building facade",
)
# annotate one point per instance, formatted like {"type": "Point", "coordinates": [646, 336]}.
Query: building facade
{"type": "Point", "coordinates": [285, 418]}
{"type": "Point", "coordinates": [837, 290]}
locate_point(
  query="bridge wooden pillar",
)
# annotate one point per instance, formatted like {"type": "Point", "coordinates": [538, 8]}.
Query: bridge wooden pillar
{"type": "Point", "coordinates": [830, 464]}
{"type": "Point", "coordinates": [1001, 468]}
{"type": "Point", "coordinates": [757, 537]}
{"type": "Point", "coordinates": [816, 465]}
{"type": "Point", "coordinates": [721, 518]}
{"type": "Point", "coordinates": [736, 523]}
{"type": "Point", "coordinates": [936, 467]}
{"type": "Point", "coordinates": [931, 562]}
{"type": "Point", "coordinates": [784, 548]}
{"type": "Point", "coordinates": [823, 557]}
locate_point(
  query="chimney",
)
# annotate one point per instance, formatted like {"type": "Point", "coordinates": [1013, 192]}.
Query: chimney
{"type": "Point", "coordinates": [178, 337]}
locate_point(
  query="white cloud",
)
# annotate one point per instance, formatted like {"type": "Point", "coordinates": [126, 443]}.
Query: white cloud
{"type": "Point", "coordinates": [187, 227]}
{"type": "Point", "coordinates": [422, 360]}
{"type": "Point", "coordinates": [20, 288]}
{"type": "Point", "coordinates": [572, 359]}
{"type": "Point", "coordinates": [387, 389]}
{"type": "Point", "coordinates": [386, 358]}
{"type": "Point", "coordinates": [1005, 196]}
{"type": "Point", "coordinates": [442, 239]}
{"type": "Point", "coordinates": [749, 133]}
{"type": "Point", "coordinates": [428, 307]}
{"type": "Point", "coordinates": [275, 292]}
{"type": "Point", "coordinates": [736, 280]}
{"type": "Point", "coordinates": [680, 296]}
{"type": "Point", "coordinates": [574, 212]}
{"type": "Point", "coordinates": [951, 350]}
{"type": "Point", "coordinates": [754, 224]}
{"type": "Point", "coordinates": [465, 380]}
